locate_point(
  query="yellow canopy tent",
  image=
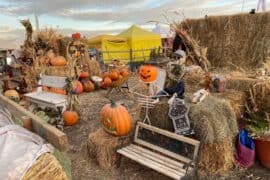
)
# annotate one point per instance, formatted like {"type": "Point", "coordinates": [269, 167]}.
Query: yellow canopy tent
{"type": "Point", "coordinates": [112, 47]}
{"type": "Point", "coordinates": [141, 42]}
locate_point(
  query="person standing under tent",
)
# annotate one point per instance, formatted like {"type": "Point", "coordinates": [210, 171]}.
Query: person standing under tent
{"type": "Point", "coordinates": [261, 4]}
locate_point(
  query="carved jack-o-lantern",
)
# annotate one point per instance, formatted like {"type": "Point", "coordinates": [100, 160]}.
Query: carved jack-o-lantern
{"type": "Point", "coordinates": [148, 73]}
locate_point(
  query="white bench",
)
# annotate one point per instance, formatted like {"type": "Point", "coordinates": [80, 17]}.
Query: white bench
{"type": "Point", "coordinates": [158, 158]}
{"type": "Point", "coordinates": [47, 99]}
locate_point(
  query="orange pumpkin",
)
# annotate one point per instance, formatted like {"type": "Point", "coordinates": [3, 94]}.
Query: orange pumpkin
{"type": "Point", "coordinates": [148, 73]}
{"type": "Point", "coordinates": [124, 72]}
{"type": "Point", "coordinates": [115, 119]}
{"type": "Point", "coordinates": [106, 74]}
{"type": "Point", "coordinates": [114, 75]}
{"type": "Point", "coordinates": [70, 117]}
{"type": "Point", "coordinates": [58, 90]}
{"type": "Point", "coordinates": [120, 77]}
{"type": "Point", "coordinates": [116, 70]}
{"type": "Point", "coordinates": [13, 95]}
{"type": "Point", "coordinates": [77, 87]}
{"type": "Point", "coordinates": [88, 86]}
{"type": "Point", "coordinates": [84, 75]}
{"type": "Point", "coordinates": [107, 82]}
{"type": "Point", "coordinates": [58, 61]}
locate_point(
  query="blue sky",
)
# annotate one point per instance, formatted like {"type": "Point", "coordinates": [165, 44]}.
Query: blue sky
{"type": "Point", "coordinates": [92, 17]}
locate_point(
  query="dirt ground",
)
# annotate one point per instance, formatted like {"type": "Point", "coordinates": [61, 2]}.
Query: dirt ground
{"type": "Point", "coordinates": [84, 168]}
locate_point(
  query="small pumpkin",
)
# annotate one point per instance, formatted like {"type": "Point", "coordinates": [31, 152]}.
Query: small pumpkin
{"type": "Point", "coordinates": [105, 74]}
{"type": "Point", "coordinates": [58, 90]}
{"type": "Point", "coordinates": [148, 73]}
{"type": "Point", "coordinates": [124, 72]}
{"type": "Point", "coordinates": [88, 86]}
{"type": "Point", "coordinates": [114, 75]}
{"type": "Point", "coordinates": [12, 94]}
{"type": "Point", "coordinates": [115, 119]}
{"type": "Point", "coordinates": [70, 118]}
{"type": "Point", "coordinates": [120, 77]}
{"type": "Point", "coordinates": [77, 87]}
{"type": "Point", "coordinates": [84, 74]}
{"type": "Point", "coordinates": [107, 82]}
{"type": "Point", "coordinates": [58, 61]}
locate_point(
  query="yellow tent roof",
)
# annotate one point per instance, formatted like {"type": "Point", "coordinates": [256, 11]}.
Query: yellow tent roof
{"type": "Point", "coordinates": [135, 32]}
{"type": "Point", "coordinates": [105, 37]}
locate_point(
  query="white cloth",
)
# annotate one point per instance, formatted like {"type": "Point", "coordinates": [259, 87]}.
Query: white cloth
{"type": "Point", "coordinates": [19, 149]}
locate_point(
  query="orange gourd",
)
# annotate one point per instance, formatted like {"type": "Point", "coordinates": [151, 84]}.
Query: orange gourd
{"type": "Point", "coordinates": [107, 82]}
{"type": "Point", "coordinates": [58, 90]}
{"type": "Point", "coordinates": [106, 74]}
{"type": "Point", "coordinates": [115, 119]}
{"type": "Point", "coordinates": [148, 73]}
{"type": "Point", "coordinates": [58, 61]}
{"type": "Point", "coordinates": [88, 86]}
{"type": "Point", "coordinates": [124, 72]}
{"type": "Point", "coordinates": [77, 87]}
{"type": "Point", "coordinates": [114, 75]}
{"type": "Point", "coordinates": [70, 118]}
{"type": "Point", "coordinates": [84, 75]}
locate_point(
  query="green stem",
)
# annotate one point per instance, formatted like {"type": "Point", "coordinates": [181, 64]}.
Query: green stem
{"type": "Point", "coordinates": [113, 104]}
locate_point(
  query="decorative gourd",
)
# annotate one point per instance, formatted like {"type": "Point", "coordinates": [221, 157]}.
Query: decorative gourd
{"type": "Point", "coordinates": [88, 86]}
{"type": "Point", "coordinates": [107, 82]}
{"type": "Point", "coordinates": [115, 119]}
{"type": "Point", "coordinates": [84, 75]}
{"type": "Point", "coordinates": [120, 77]}
{"type": "Point", "coordinates": [58, 61]}
{"type": "Point", "coordinates": [114, 75]}
{"type": "Point", "coordinates": [58, 90]}
{"type": "Point", "coordinates": [70, 118]}
{"type": "Point", "coordinates": [77, 87]}
{"type": "Point", "coordinates": [148, 73]}
{"type": "Point", "coordinates": [124, 72]}
{"type": "Point", "coordinates": [13, 95]}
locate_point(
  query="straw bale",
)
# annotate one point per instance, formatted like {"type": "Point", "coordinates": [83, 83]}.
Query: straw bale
{"type": "Point", "coordinates": [102, 147]}
{"type": "Point", "coordinates": [241, 39]}
{"type": "Point", "coordinates": [241, 83]}
{"type": "Point", "coordinates": [46, 167]}
{"type": "Point", "coordinates": [261, 95]}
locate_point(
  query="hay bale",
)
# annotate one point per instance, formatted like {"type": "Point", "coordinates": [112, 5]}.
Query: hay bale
{"type": "Point", "coordinates": [237, 100]}
{"type": "Point", "coordinates": [102, 147]}
{"type": "Point", "coordinates": [241, 83]}
{"type": "Point", "coordinates": [46, 167]}
{"type": "Point", "coordinates": [261, 95]}
{"type": "Point", "coordinates": [220, 34]}
{"type": "Point", "coordinates": [215, 125]}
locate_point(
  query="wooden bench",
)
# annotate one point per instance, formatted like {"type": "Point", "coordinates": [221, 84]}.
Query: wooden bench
{"type": "Point", "coordinates": [158, 158]}
{"type": "Point", "coordinates": [47, 99]}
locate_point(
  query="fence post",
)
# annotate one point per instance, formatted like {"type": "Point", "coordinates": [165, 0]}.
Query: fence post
{"type": "Point", "coordinates": [131, 60]}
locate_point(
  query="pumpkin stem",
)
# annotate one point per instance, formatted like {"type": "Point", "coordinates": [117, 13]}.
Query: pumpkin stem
{"type": "Point", "coordinates": [113, 104]}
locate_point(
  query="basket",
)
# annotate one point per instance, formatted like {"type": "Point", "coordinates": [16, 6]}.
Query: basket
{"type": "Point", "coordinates": [119, 82]}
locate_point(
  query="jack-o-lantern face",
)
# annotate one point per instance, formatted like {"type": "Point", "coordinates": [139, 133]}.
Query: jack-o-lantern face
{"type": "Point", "coordinates": [148, 73]}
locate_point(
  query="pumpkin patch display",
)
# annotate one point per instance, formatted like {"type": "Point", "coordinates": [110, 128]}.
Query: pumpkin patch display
{"type": "Point", "coordinates": [58, 91]}
{"type": "Point", "coordinates": [70, 118]}
{"type": "Point", "coordinates": [77, 87]}
{"type": "Point", "coordinates": [58, 61]}
{"type": "Point", "coordinates": [148, 73]}
{"type": "Point", "coordinates": [88, 86]}
{"type": "Point", "coordinates": [115, 119]}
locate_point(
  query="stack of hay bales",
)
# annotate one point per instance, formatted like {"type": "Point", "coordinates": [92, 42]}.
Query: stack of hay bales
{"type": "Point", "coordinates": [215, 125]}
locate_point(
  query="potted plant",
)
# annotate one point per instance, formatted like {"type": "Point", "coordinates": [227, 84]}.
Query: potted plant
{"type": "Point", "coordinates": [259, 129]}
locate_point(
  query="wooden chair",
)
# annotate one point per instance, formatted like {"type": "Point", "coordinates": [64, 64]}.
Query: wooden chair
{"type": "Point", "coordinates": [47, 99]}
{"type": "Point", "coordinates": [158, 158]}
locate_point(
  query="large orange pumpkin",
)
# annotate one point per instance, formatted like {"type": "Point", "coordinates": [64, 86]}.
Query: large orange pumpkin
{"type": "Point", "coordinates": [13, 95]}
{"type": "Point", "coordinates": [58, 90]}
{"type": "Point", "coordinates": [115, 119]}
{"type": "Point", "coordinates": [58, 61]}
{"type": "Point", "coordinates": [88, 86]}
{"type": "Point", "coordinates": [148, 73]}
{"type": "Point", "coordinates": [70, 117]}
{"type": "Point", "coordinates": [77, 87]}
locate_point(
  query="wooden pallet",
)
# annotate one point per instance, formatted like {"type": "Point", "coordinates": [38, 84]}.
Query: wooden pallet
{"type": "Point", "coordinates": [160, 159]}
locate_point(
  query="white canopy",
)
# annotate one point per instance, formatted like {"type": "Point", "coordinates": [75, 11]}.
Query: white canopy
{"type": "Point", "coordinates": [163, 31]}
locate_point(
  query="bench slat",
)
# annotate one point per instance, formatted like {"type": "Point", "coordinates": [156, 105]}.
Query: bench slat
{"type": "Point", "coordinates": [162, 159]}
{"type": "Point", "coordinates": [157, 158]}
{"type": "Point", "coordinates": [151, 164]}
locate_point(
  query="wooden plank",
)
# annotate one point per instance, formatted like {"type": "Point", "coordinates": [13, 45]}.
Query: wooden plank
{"type": "Point", "coordinates": [170, 134]}
{"type": "Point", "coordinates": [152, 164]}
{"type": "Point", "coordinates": [164, 159]}
{"type": "Point", "coordinates": [157, 158]}
{"type": "Point", "coordinates": [163, 151]}
{"type": "Point", "coordinates": [53, 81]}
{"type": "Point", "coordinates": [54, 136]}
